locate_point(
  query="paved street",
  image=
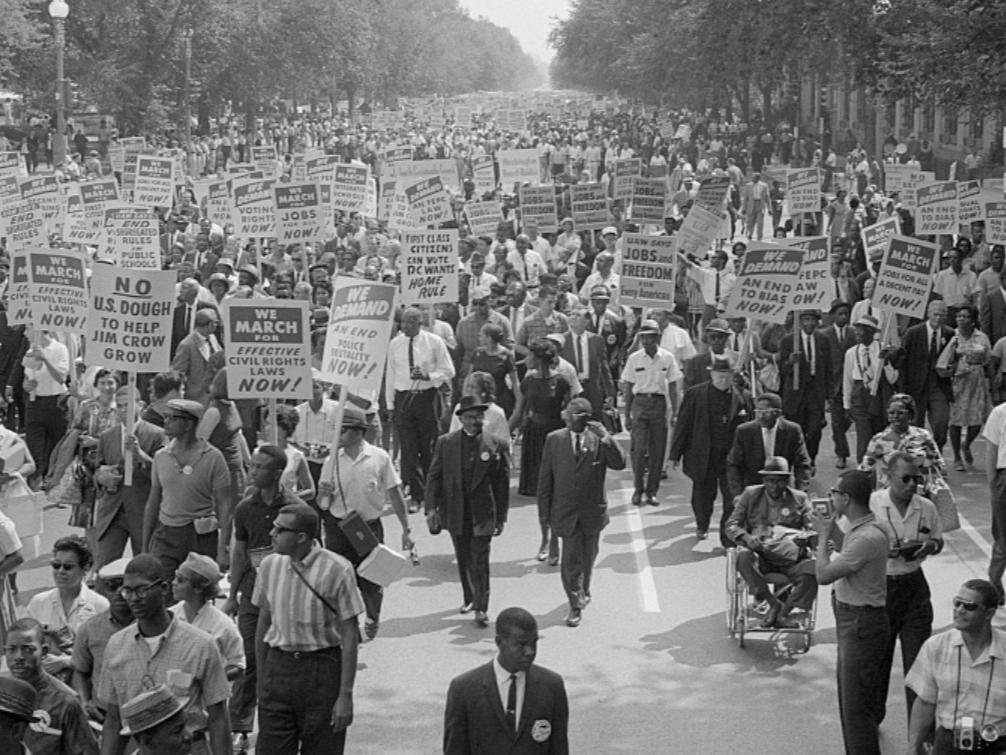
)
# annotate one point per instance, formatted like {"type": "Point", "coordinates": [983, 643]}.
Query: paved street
{"type": "Point", "coordinates": [652, 668]}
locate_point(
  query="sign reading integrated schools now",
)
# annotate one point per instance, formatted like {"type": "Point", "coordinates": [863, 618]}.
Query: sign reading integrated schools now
{"type": "Point", "coordinates": [129, 319]}
{"type": "Point", "coordinates": [268, 348]}
{"type": "Point", "coordinates": [58, 290]}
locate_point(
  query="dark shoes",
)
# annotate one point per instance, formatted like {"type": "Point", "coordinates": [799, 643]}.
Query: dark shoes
{"type": "Point", "coordinates": [574, 617]}
{"type": "Point", "coordinates": [702, 534]}
{"type": "Point", "coordinates": [482, 618]}
{"type": "Point", "coordinates": [637, 499]}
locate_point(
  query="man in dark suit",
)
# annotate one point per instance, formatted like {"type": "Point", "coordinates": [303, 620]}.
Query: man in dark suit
{"type": "Point", "coordinates": [992, 314]}
{"type": "Point", "coordinates": [704, 430]}
{"type": "Point", "coordinates": [805, 376]}
{"type": "Point", "coordinates": [192, 358]}
{"type": "Point", "coordinates": [610, 327]}
{"type": "Point", "coordinates": [516, 311]}
{"type": "Point", "coordinates": [916, 363]}
{"type": "Point", "coordinates": [183, 318]}
{"type": "Point", "coordinates": [585, 351]}
{"type": "Point", "coordinates": [571, 496]}
{"type": "Point", "coordinates": [766, 436]}
{"type": "Point", "coordinates": [468, 494]}
{"type": "Point", "coordinates": [696, 369]}
{"type": "Point", "coordinates": [485, 713]}
{"type": "Point", "coordinates": [841, 337]}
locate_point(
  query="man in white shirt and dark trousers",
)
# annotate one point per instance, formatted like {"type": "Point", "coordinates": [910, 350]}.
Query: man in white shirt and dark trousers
{"type": "Point", "coordinates": [867, 383]}
{"type": "Point", "coordinates": [419, 365]}
{"type": "Point", "coordinates": [994, 434]}
{"type": "Point", "coordinates": [45, 366]}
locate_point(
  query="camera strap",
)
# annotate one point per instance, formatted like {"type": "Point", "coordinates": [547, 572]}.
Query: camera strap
{"type": "Point", "coordinates": [988, 687]}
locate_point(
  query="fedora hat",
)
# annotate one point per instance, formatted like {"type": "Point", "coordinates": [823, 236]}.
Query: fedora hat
{"type": "Point", "coordinates": [718, 325]}
{"type": "Point", "coordinates": [468, 404]}
{"type": "Point", "coordinates": [354, 417]}
{"type": "Point", "coordinates": [776, 466]}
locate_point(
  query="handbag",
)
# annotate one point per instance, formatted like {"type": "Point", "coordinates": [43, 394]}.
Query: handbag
{"type": "Point", "coordinates": [434, 523]}
{"type": "Point", "coordinates": [938, 491]}
{"type": "Point", "coordinates": [611, 420]}
{"type": "Point", "coordinates": [358, 533]}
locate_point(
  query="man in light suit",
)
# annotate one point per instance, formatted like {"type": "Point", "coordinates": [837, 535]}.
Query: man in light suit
{"type": "Point", "coordinates": [468, 494]}
{"type": "Point", "coordinates": [748, 453]}
{"type": "Point", "coordinates": [571, 497]}
{"type": "Point", "coordinates": [508, 706]}
{"type": "Point", "coordinates": [805, 375]}
{"type": "Point", "coordinates": [585, 351]}
{"type": "Point", "coordinates": [191, 361]}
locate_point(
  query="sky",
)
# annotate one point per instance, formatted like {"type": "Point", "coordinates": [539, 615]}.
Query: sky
{"type": "Point", "coordinates": [528, 20]}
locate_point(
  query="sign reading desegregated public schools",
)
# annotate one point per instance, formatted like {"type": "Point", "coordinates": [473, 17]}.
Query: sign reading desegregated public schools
{"type": "Point", "coordinates": [349, 188]}
{"type": "Point", "coordinates": [268, 348]}
{"type": "Point", "coordinates": [57, 286]}
{"type": "Point", "coordinates": [648, 265]}
{"type": "Point", "coordinates": [803, 190]}
{"type": "Point", "coordinates": [299, 212]}
{"type": "Point", "coordinates": [814, 290]}
{"type": "Point", "coordinates": [129, 318]}
{"type": "Point", "coordinates": [155, 184]}
{"type": "Point", "coordinates": [359, 329]}
{"type": "Point", "coordinates": [429, 266]}
{"type": "Point", "coordinates": [133, 237]}
{"type": "Point", "coordinates": [766, 284]}
{"type": "Point", "coordinates": [906, 276]}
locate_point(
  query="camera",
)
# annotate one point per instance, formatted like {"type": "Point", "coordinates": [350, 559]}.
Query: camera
{"type": "Point", "coordinates": [821, 506]}
{"type": "Point", "coordinates": [964, 734]}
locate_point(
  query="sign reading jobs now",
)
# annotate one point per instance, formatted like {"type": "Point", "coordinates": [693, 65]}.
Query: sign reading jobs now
{"type": "Point", "coordinates": [906, 275]}
{"type": "Point", "coordinates": [269, 351]}
{"type": "Point", "coordinates": [359, 330]}
{"type": "Point", "coordinates": [766, 284]}
{"type": "Point", "coordinates": [129, 320]}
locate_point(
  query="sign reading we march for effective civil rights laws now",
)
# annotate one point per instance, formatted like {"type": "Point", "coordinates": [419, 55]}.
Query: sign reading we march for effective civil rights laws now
{"type": "Point", "coordinates": [766, 284]}
{"type": "Point", "coordinates": [57, 287]}
{"type": "Point", "coordinates": [359, 329]}
{"type": "Point", "coordinates": [129, 319]}
{"type": "Point", "coordinates": [906, 275]}
{"type": "Point", "coordinates": [268, 348]}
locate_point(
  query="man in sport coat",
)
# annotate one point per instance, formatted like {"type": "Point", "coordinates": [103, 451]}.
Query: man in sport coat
{"type": "Point", "coordinates": [571, 496]}
{"type": "Point", "coordinates": [468, 494]}
{"type": "Point", "coordinates": [805, 374]}
{"type": "Point", "coordinates": [485, 713]}
{"type": "Point", "coordinates": [585, 351]}
{"type": "Point", "coordinates": [747, 454]}
{"type": "Point", "coordinates": [916, 363]}
{"type": "Point", "coordinates": [192, 360]}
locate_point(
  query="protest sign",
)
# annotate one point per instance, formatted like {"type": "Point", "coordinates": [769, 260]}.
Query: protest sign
{"type": "Point", "coordinates": [936, 208]}
{"type": "Point", "coordinates": [913, 180]}
{"type": "Point", "coordinates": [154, 183]}
{"type": "Point", "coordinates": [969, 203]}
{"type": "Point", "coordinates": [803, 190]}
{"type": "Point", "coordinates": [133, 237]}
{"type": "Point", "coordinates": [648, 265]}
{"type": "Point", "coordinates": [429, 267]}
{"type": "Point", "coordinates": [906, 276]}
{"type": "Point", "coordinates": [699, 230]}
{"type": "Point", "coordinates": [538, 203]}
{"type": "Point", "coordinates": [18, 295]}
{"type": "Point", "coordinates": [588, 206]}
{"type": "Point", "coordinates": [218, 203]}
{"type": "Point", "coordinates": [321, 169]}
{"type": "Point", "coordinates": [428, 202]}
{"type": "Point", "coordinates": [264, 158]}
{"type": "Point", "coordinates": [25, 227]}
{"type": "Point", "coordinates": [95, 197]}
{"type": "Point", "coordinates": [43, 192]}
{"type": "Point", "coordinates": [10, 197]}
{"type": "Point", "coordinates": [349, 188]}
{"type": "Point", "coordinates": [10, 164]}
{"type": "Point", "coordinates": [360, 316]}
{"type": "Point", "coordinates": [712, 193]}
{"type": "Point", "coordinates": [129, 318]}
{"type": "Point", "coordinates": [399, 216]}
{"type": "Point", "coordinates": [766, 284]}
{"type": "Point", "coordinates": [518, 166]}
{"type": "Point", "coordinates": [299, 212]}
{"type": "Point", "coordinates": [396, 154]}
{"type": "Point", "coordinates": [649, 200]}
{"type": "Point", "coordinates": [75, 226]}
{"type": "Point", "coordinates": [483, 217]}
{"type": "Point", "coordinates": [268, 348]}
{"type": "Point", "coordinates": [483, 174]}
{"type": "Point", "coordinates": [995, 222]}
{"type": "Point", "coordinates": [254, 208]}
{"type": "Point", "coordinates": [413, 170]}
{"type": "Point", "coordinates": [814, 288]}
{"type": "Point", "coordinates": [57, 286]}
{"type": "Point", "coordinates": [624, 177]}
{"type": "Point", "coordinates": [875, 236]}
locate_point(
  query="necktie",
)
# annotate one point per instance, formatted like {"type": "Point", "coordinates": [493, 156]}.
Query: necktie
{"type": "Point", "coordinates": [736, 347]}
{"type": "Point", "coordinates": [717, 297]}
{"type": "Point", "coordinates": [867, 377]}
{"type": "Point", "coordinates": [513, 321]}
{"type": "Point", "coordinates": [579, 445]}
{"type": "Point", "coordinates": [190, 317]}
{"type": "Point", "coordinates": [579, 356]}
{"type": "Point", "coordinates": [769, 445]}
{"type": "Point", "coordinates": [934, 347]}
{"type": "Point", "coordinates": [412, 354]}
{"type": "Point", "coordinates": [511, 703]}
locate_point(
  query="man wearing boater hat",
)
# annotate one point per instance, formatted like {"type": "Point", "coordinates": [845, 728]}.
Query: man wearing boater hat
{"type": "Point", "coordinates": [156, 721]}
{"type": "Point", "coordinates": [867, 383]}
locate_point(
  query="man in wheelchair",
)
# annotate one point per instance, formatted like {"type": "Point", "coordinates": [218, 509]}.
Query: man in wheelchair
{"type": "Point", "coordinates": [770, 524]}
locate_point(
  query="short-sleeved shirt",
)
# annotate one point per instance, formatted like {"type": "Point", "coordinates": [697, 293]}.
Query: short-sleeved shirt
{"type": "Point", "coordinates": [220, 627]}
{"type": "Point", "coordinates": [47, 609]}
{"type": "Point", "coordinates": [253, 521]}
{"type": "Point", "coordinates": [187, 490]}
{"type": "Point", "coordinates": [362, 484]}
{"type": "Point", "coordinates": [921, 522]}
{"type": "Point", "coordinates": [185, 659]}
{"type": "Point", "coordinates": [865, 550]}
{"type": "Point", "coordinates": [651, 374]}
{"type": "Point", "coordinates": [63, 726]}
{"type": "Point", "coordinates": [999, 352]}
{"type": "Point", "coordinates": [995, 432]}
{"type": "Point", "coordinates": [300, 621]}
{"type": "Point", "coordinates": [956, 290]}
{"type": "Point", "coordinates": [9, 541]}
{"type": "Point", "coordinates": [933, 677]}
{"type": "Point", "coordinates": [90, 643]}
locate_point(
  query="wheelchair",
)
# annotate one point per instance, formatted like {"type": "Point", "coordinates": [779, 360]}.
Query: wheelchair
{"type": "Point", "coordinates": [744, 614]}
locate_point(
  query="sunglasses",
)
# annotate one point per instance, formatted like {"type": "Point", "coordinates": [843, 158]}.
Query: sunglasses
{"type": "Point", "coordinates": [916, 478]}
{"type": "Point", "coordinates": [280, 530]}
{"type": "Point", "coordinates": [64, 565]}
{"type": "Point", "coordinates": [140, 592]}
{"type": "Point", "coordinates": [969, 607]}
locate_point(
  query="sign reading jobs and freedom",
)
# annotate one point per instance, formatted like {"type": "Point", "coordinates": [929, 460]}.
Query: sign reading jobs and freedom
{"type": "Point", "coordinates": [129, 319]}
{"type": "Point", "coordinates": [133, 237]}
{"type": "Point", "coordinates": [814, 290]}
{"type": "Point", "coordinates": [57, 288]}
{"type": "Point", "coordinates": [624, 178]}
{"type": "Point", "coordinates": [537, 203]}
{"type": "Point", "coordinates": [906, 276]}
{"type": "Point", "coordinates": [154, 186]}
{"type": "Point", "coordinates": [429, 267]}
{"type": "Point", "coordinates": [649, 199]}
{"type": "Point", "coordinates": [936, 208]}
{"type": "Point", "coordinates": [254, 208]}
{"type": "Point", "coordinates": [588, 206]}
{"type": "Point", "coordinates": [483, 217]}
{"type": "Point", "coordinates": [766, 284]}
{"type": "Point", "coordinates": [268, 348]}
{"type": "Point", "coordinates": [359, 329]}
{"type": "Point", "coordinates": [299, 212]}
{"type": "Point", "coordinates": [803, 190]}
{"type": "Point", "coordinates": [648, 264]}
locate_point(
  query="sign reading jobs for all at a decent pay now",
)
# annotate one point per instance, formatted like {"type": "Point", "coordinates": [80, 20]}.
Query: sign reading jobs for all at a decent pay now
{"type": "Point", "coordinates": [906, 275]}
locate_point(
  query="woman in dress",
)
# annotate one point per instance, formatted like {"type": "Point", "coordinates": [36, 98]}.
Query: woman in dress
{"type": "Point", "coordinates": [493, 357]}
{"type": "Point", "coordinates": [901, 435]}
{"type": "Point", "coordinates": [296, 475]}
{"type": "Point", "coordinates": [964, 359]}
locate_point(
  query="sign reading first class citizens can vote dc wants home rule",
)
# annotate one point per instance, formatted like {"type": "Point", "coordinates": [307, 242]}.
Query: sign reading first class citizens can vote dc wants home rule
{"type": "Point", "coordinates": [268, 348]}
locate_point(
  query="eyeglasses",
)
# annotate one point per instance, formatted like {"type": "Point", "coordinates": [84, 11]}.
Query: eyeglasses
{"type": "Point", "coordinates": [140, 592]}
{"type": "Point", "coordinates": [916, 478]}
{"type": "Point", "coordinates": [967, 606]}
{"type": "Point", "coordinates": [64, 565]}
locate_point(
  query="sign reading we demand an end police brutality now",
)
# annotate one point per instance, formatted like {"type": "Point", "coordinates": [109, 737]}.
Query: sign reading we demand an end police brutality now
{"type": "Point", "coordinates": [129, 319]}
{"type": "Point", "coordinates": [58, 291]}
{"type": "Point", "coordinates": [906, 276]}
{"type": "Point", "coordinates": [359, 329]}
{"type": "Point", "coordinates": [766, 283]}
{"type": "Point", "coordinates": [269, 349]}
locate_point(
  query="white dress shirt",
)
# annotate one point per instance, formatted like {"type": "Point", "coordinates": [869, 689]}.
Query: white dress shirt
{"type": "Point", "coordinates": [429, 352]}
{"type": "Point", "coordinates": [503, 686]}
{"type": "Point", "coordinates": [59, 357]}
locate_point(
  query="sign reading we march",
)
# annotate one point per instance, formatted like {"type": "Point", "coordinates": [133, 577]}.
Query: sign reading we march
{"type": "Point", "coordinates": [269, 348]}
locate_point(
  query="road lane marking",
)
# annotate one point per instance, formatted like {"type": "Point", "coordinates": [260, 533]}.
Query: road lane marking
{"type": "Point", "coordinates": [969, 529]}
{"type": "Point", "coordinates": [647, 586]}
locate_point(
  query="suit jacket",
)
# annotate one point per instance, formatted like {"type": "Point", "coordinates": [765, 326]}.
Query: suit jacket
{"type": "Point", "coordinates": [490, 489]}
{"type": "Point", "coordinates": [194, 367]}
{"type": "Point", "coordinates": [571, 491]}
{"type": "Point", "coordinates": [691, 440]}
{"type": "Point", "coordinates": [747, 454]}
{"type": "Point", "coordinates": [474, 722]}
{"type": "Point", "coordinates": [813, 388]}
{"type": "Point", "coordinates": [916, 366]}
{"type": "Point", "coordinates": [180, 325]}
{"type": "Point", "coordinates": [992, 316]}
{"type": "Point", "coordinates": [615, 335]}
{"type": "Point", "coordinates": [150, 438]}
{"type": "Point", "coordinates": [600, 386]}
{"type": "Point", "coordinates": [837, 350]}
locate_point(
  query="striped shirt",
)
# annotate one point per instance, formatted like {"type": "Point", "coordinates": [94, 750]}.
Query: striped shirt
{"type": "Point", "coordinates": [301, 622]}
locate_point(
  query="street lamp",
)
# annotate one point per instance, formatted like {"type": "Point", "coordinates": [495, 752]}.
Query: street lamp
{"type": "Point", "coordinates": [58, 11]}
{"type": "Point", "coordinates": [188, 94]}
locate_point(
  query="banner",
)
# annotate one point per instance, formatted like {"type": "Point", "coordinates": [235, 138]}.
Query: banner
{"type": "Point", "coordinates": [483, 217]}
{"type": "Point", "coordinates": [906, 276]}
{"type": "Point", "coordinates": [429, 267]}
{"type": "Point", "coordinates": [349, 188]}
{"type": "Point", "coordinates": [428, 202]}
{"type": "Point", "coordinates": [361, 316]}
{"type": "Point", "coordinates": [875, 236]}
{"type": "Point", "coordinates": [588, 206]}
{"type": "Point", "coordinates": [483, 174]}
{"type": "Point", "coordinates": [803, 190]}
{"type": "Point", "coordinates": [129, 318]}
{"type": "Point", "coordinates": [649, 200]}
{"type": "Point", "coordinates": [624, 177]}
{"type": "Point", "coordinates": [254, 208]}
{"type": "Point", "coordinates": [936, 208]}
{"type": "Point", "coordinates": [518, 166]}
{"type": "Point", "coordinates": [995, 222]}
{"type": "Point", "coordinates": [766, 284]}
{"type": "Point", "coordinates": [814, 289]}
{"type": "Point", "coordinates": [133, 235]}
{"type": "Point", "coordinates": [538, 203]}
{"type": "Point", "coordinates": [57, 286]}
{"type": "Point", "coordinates": [154, 185]}
{"type": "Point", "coordinates": [268, 348]}
{"type": "Point", "coordinates": [299, 212]}
{"type": "Point", "coordinates": [648, 266]}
